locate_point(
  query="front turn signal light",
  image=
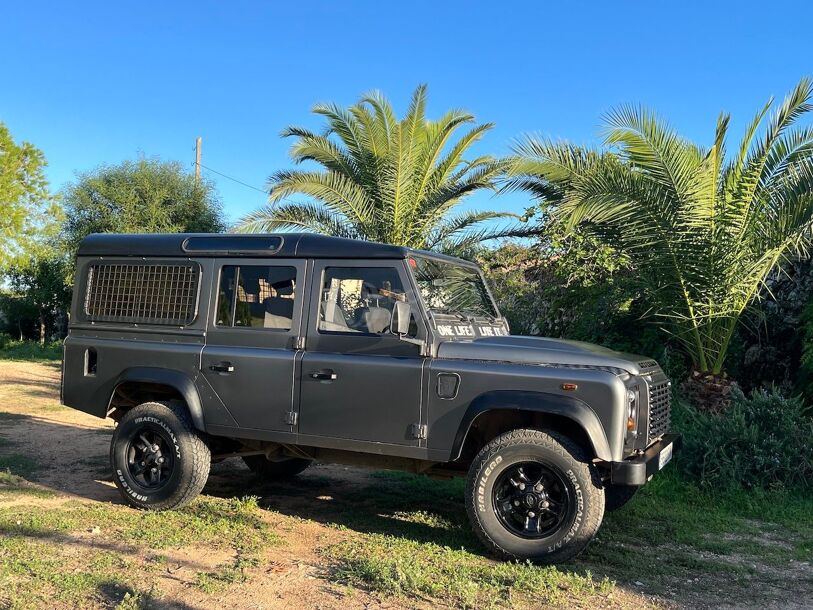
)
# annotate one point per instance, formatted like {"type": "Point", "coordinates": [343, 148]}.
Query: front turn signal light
{"type": "Point", "coordinates": [630, 424]}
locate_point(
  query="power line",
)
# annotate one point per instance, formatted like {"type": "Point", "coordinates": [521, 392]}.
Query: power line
{"type": "Point", "coordinates": [214, 171]}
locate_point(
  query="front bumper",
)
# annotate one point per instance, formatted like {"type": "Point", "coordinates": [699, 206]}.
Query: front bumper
{"type": "Point", "coordinates": [637, 470]}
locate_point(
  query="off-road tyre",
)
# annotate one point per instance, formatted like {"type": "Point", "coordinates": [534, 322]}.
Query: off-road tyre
{"type": "Point", "coordinates": [269, 470]}
{"type": "Point", "coordinates": [616, 496]}
{"type": "Point", "coordinates": [186, 457]}
{"type": "Point", "coordinates": [577, 480]}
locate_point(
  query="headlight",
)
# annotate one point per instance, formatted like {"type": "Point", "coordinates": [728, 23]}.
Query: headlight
{"type": "Point", "coordinates": [632, 409]}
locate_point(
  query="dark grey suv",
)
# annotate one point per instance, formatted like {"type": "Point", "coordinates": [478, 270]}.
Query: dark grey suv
{"type": "Point", "coordinates": [287, 349]}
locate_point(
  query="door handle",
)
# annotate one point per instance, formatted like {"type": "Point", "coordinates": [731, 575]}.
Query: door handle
{"type": "Point", "coordinates": [222, 367]}
{"type": "Point", "coordinates": [324, 375]}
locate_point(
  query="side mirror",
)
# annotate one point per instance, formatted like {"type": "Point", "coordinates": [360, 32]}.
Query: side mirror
{"type": "Point", "coordinates": [401, 315]}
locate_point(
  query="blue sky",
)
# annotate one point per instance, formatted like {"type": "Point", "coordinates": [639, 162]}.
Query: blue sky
{"type": "Point", "coordinates": [92, 83]}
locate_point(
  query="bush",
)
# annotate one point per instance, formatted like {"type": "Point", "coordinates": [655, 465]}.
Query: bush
{"type": "Point", "coordinates": [13, 349]}
{"type": "Point", "coordinates": [577, 290]}
{"type": "Point", "coordinates": [762, 441]}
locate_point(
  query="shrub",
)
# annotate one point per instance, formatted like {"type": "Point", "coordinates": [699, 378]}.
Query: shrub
{"type": "Point", "coordinates": [804, 377]}
{"type": "Point", "coordinates": [13, 349]}
{"type": "Point", "coordinates": [762, 441]}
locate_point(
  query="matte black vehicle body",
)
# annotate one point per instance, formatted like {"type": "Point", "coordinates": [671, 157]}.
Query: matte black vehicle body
{"type": "Point", "coordinates": [309, 387]}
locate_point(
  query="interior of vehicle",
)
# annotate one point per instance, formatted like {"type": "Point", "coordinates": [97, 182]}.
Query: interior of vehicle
{"type": "Point", "coordinates": [359, 300]}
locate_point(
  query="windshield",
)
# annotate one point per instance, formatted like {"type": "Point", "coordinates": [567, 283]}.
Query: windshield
{"type": "Point", "coordinates": [452, 289]}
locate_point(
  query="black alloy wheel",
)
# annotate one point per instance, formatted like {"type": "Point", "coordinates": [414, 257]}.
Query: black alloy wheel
{"type": "Point", "coordinates": [532, 500]}
{"type": "Point", "coordinates": [159, 460]}
{"type": "Point", "coordinates": [150, 457]}
{"type": "Point", "coordinates": [534, 495]}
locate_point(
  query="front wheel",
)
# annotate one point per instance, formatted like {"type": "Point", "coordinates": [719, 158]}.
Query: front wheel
{"type": "Point", "coordinates": [534, 495]}
{"type": "Point", "coordinates": [159, 461]}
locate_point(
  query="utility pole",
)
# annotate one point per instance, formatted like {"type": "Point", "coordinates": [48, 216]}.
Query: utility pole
{"type": "Point", "coordinates": [198, 142]}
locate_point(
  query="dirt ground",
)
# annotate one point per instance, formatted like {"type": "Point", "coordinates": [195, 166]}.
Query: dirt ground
{"type": "Point", "coordinates": [308, 513]}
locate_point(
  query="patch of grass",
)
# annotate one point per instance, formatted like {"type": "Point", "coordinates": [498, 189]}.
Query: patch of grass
{"type": "Point", "coordinates": [233, 523]}
{"type": "Point", "coordinates": [31, 351]}
{"type": "Point", "coordinates": [14, 484]}
{"type": "Point", "coordinates": [227, 575]}
{"type": "Point", "coordinates": [36, 574]}
{"type": "Point", "coordinates": [39, 559]}
{"type": "Point", "coordinates": [671, 532]}
{"type": "Point", "coordinates": [403, 567]}
{"type": "Point", "coordinates": [20, 465]}
{"type": "Point", "coordinates": [680, 532]}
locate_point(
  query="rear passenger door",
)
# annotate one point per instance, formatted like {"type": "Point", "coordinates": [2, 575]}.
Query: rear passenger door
{"type": "Point", "coordinates": [254, 321]}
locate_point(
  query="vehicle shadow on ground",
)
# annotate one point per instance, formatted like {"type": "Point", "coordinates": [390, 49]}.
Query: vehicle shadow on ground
{"type": "Point", "coordinates": [361, 500]}
{"type": "Point", "coordinates": [63, 457]}
{"type": "Point", "coordinates": [73, 459]}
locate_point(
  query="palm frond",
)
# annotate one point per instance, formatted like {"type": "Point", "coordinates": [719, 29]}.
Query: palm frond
{"type": "Point", "coordinates": [379, 177]}
{"type": "Point", "coordinates": [704, 232]}
{"type": "Point", "coordinates": [296, 216]}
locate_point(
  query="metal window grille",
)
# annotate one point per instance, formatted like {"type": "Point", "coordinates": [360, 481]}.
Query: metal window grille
{"type": "Point", "coordinates": [142, 293]}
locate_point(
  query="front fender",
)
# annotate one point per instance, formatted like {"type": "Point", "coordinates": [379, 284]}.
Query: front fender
{"type": "Point", "coordinates": [175, 379]}
{"type": "Point", "coordinates": [537, 402]}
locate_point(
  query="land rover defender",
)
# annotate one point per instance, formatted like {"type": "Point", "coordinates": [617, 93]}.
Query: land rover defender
{"type": "Point", "coordinates": [287, 349]}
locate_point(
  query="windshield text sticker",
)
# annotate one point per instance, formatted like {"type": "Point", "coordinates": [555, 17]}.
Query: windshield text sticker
{"type": "Point", "coordinates": [469, 330]}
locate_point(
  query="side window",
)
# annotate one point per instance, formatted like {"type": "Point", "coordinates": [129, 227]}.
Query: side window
{"type": "Point", "coordinates": [360, 299]}
{"type": "Point", "coordinates": [252, 296]}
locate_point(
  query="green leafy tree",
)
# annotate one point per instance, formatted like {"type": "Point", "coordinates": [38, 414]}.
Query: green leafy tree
{"type": "Point", "coordinates": [17, 315]}
{"type": "Point", "coordinates": [384, 180]}
{"type": "Point", "coordinates": [40, 283]}
{"type": "Point", "coordinates": [703, 230]}
{"type": "Point", "coordinates": [143, 196]}
{"type": "Point", "coordinates": [26, 204]}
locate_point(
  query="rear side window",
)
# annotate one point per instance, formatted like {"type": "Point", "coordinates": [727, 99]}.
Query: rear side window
{"type": "Point", "coordinates": [256, 296]}
{"type": "Point", "coordinates": [142, 293]}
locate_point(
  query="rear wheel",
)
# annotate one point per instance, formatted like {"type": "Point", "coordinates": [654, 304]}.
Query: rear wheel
{"type": "Point", "coordinates": [271, 470]}
{"type": "Point", "coordinates": [534, 495]}
{"type": "Point", "coordinates": [159, 461]}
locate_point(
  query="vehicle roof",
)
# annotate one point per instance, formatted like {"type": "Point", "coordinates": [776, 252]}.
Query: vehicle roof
{"type": "Point", "coordinates": [293, 245]}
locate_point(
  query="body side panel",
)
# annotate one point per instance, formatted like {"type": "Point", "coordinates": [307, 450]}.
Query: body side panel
{"type": "Point", "coordinates": [491, 385]}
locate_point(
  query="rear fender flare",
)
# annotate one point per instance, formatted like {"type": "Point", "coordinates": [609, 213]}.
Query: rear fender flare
{"type": "Point", "coordinates": [536, 402]}
{"type": "Point", "coordinates": [174, 379]}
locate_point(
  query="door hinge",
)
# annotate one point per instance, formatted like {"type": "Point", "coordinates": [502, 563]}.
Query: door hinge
{"type": "Point", "coordinates": [299, 342]}
{"type": "Point", "coordinates": [291, 418]}
{"type": "Point", "coordinates": [418, 431]}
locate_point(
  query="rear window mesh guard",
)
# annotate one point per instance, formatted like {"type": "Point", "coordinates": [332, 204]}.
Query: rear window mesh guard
{"type": "Point", "coordinates": [143, 293]}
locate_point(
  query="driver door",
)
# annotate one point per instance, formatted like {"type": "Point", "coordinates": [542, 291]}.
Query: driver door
{"type": "Point", "coordinates": [358, 380]}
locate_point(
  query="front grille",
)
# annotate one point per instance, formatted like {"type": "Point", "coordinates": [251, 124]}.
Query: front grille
{"type": "Point", "coordinates": [142, 293]}
{"type": "Point", "coordinates": [660, 408]}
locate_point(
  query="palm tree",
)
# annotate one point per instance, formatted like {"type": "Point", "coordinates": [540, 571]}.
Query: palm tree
{"type": "Point", "coordinates": [384, 180]}
{"type": "Point", "coordinates": [704, 230]}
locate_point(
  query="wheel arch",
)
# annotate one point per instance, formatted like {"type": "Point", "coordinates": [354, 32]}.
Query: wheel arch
{"type": "Point", "coordinates": [141, 384]}
{"type": "Point", "coordinates": [496, 412]}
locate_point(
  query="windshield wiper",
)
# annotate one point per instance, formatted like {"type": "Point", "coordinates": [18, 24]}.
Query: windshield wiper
{"type": "Point", "coordinates": [457, 314]}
